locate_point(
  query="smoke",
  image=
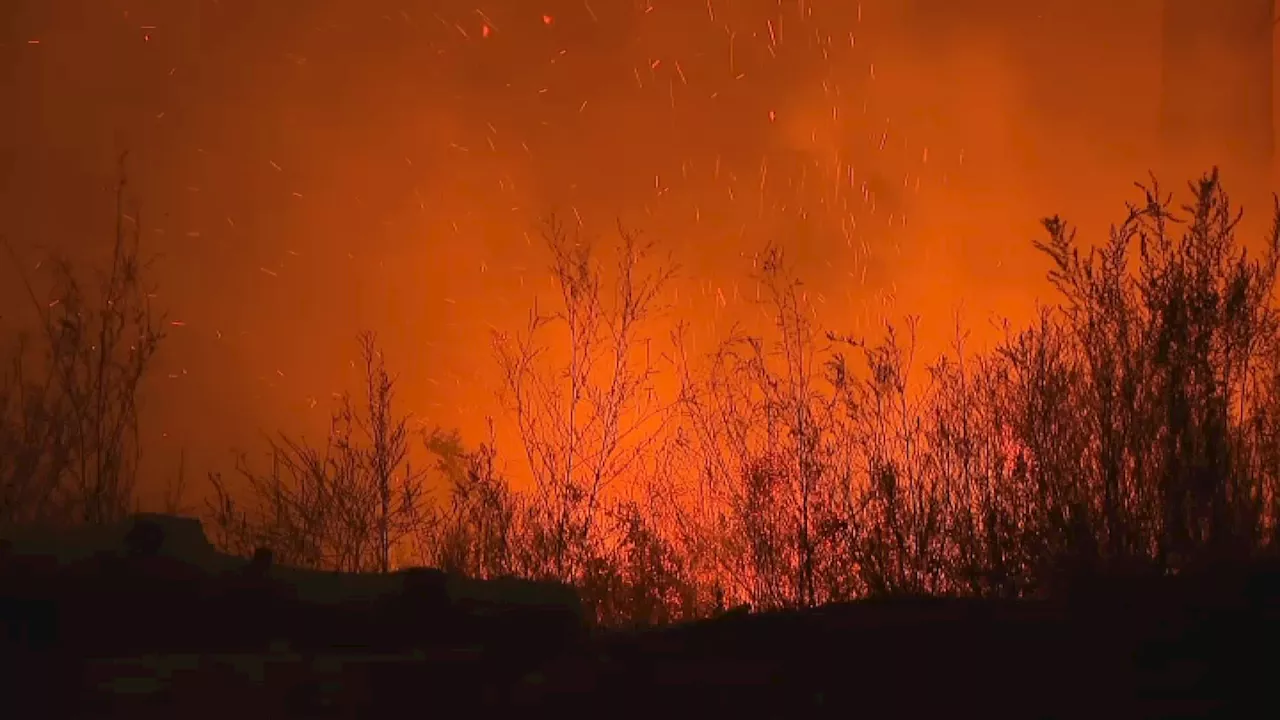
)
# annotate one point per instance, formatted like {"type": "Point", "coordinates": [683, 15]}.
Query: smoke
{"type": "Point", "coordinates": [311, 169]}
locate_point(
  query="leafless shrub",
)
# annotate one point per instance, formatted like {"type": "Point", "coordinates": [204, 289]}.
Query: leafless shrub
{"type": "Point", "coordinates": [1174, 351]}
{"type": "Point", "coordinates": [69, 446]}
{"type": "Point", "coordinates": [585, 420]}
{"type": "Point", "coordinates": [758, 426]}
{"type": "Point", "coordinates": [1131, 429]}
{"type": "Point", "coordinates": [640, 577]}
{"type": "Point", "coordinates": [347, 505]}
{"type": "Point", "coordinates": [1125, 430]}
{"type": "Point", "coordinates": [898, 498]}
{"type": "Point", "coordinates": [480, 531]}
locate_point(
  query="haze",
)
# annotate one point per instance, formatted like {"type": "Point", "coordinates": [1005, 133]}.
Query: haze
{"type": "Point", "coordinates": [311, 169]}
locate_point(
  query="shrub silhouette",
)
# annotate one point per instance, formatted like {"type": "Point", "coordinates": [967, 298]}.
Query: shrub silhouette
{"type": "Point", "coordinates": [349, 504]}
{"type": "Point", "coordinates": [1130, 430]}
{"type": "Point", "coordinates": [69, 444]}
{"type": "Point", "coordinates": [1174, 354]}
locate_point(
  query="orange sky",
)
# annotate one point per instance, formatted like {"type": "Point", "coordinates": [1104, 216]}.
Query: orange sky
{"type": "Point", "coordinates": [309, 169]}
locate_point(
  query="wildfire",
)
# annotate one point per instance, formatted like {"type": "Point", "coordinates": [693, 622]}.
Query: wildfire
{"type": "Point", "coordinates": [411, 150]}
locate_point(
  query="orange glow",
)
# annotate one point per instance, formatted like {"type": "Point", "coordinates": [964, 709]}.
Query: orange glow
{"type": "Point", "coordinates": [311, 169]}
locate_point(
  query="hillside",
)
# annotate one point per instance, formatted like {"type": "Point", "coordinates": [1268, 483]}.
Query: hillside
{"type": "Point", "coordinates": [135, 634]}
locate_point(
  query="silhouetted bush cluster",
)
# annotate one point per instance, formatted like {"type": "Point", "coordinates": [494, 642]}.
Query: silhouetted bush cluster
{"type": "Point", "coordinates": [1132, 428]}
{"type": "Point", "coordinates": [68, 392]}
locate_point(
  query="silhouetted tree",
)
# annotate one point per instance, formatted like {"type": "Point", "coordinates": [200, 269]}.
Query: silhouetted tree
{"type": "Point", "coordinates": [69, 433]}
{"type": "Point", "coordinates": [346, 505]}
{"type": "Point", "coordinates": [588, 420]}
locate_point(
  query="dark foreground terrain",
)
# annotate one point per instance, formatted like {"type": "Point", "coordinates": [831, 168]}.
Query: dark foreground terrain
{"type": "Point", "coordinates": [162, 626]}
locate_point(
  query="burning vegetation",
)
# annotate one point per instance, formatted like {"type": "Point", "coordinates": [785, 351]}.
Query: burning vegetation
{"type": "Point", "coordinates": [726, 410]}
{"type": "Point", "coordinates": [1130, 429]}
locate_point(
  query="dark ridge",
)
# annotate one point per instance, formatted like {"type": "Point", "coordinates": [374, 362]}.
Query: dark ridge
{"type": "Point", "coordinates": [156, 626]}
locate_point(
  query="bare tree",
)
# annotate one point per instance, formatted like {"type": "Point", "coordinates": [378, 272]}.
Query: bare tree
{"type": "Point", "coordinates": [585, 420]}
{"type": "Point", "coordinates": [898, 530]}
{"type": "Point", "coordinates": [346, 505]}
{"type": "Point", "coordinates": [69, 436]}
{"type": "Point", "coordinates": [758, 421]}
